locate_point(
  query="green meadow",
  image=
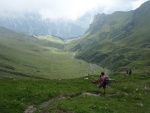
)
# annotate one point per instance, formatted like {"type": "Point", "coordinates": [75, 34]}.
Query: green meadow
{"type": "Point", "coordinates": [129, 94]}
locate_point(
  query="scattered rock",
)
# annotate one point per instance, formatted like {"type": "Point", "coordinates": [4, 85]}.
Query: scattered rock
{"type": "Point", "coordinates": [141, 77]}
{"type": "Point", "coordinates": [30, 109]}
{"type": "Point", "coordinates": [95, 80]}
{"type": "Point", "coordinates": [1, 78]}
{"type": "Point", "coordinates": [86, 78]}
{"type": "Point", "coordinates": [90, 94]}
{"type": "Point", "coordinates": [139, 105]}
{"type": "Point", "coordinates": [146, 89]}
{"type": "Point", "coordinates": [112, 80]}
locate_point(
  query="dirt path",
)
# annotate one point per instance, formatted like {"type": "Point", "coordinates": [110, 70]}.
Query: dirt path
{"type": "Point", "coordinates": [31, 108]}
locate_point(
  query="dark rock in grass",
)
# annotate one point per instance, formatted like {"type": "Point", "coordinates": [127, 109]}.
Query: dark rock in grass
{"type": "Point", "coordinates": [141, 77]}
{"type": "Point", "coordinates": [146, 90]}
{"type": "Point", "coordinates": [112, 80]}
{"type": "Point", "coordinates": [95, 80]}
{"type": "Point", "coordinates": [1, 78]}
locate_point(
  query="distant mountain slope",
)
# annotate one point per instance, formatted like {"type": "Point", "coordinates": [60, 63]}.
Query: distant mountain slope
{"type": "Point", "coordinates": [116, 41]}
{"type": "Point", "coordinates": [29, 56]}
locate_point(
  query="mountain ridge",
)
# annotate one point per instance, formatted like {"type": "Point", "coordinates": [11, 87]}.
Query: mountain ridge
{"type": "Point", "coordinates": [116, 41]}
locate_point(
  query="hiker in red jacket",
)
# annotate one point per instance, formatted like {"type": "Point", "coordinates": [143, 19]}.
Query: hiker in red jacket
{"type": "Point", "coordinates": [103, 82]}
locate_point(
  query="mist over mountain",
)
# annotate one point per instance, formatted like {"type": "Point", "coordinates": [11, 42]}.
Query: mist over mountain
{"type": "Point", "coordinates": [65, 19]}
{"type": "Point", "coordinates": [34, 24]}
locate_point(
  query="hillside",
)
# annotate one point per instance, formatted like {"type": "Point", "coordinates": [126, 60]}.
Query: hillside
{"type": "Point", "coordinates": [29, 56]}
{"type": "Point", "coordinates": [130, 94]}
{"type": "Point", "coordinates": [117, 41]}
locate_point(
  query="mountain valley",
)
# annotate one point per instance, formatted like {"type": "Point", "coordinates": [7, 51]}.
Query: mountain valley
{"type": "Point", "coordinates": [118, 41]}
{"type": "Point", "coordinates": [59, 73]}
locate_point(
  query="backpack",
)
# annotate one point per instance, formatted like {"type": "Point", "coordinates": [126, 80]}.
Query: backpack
{"type": "Point", "coordinates": [106, 80]}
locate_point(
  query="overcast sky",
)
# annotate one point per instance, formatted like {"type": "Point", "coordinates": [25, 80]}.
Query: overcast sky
{"type": "Point", "coordinates": [69, 9]}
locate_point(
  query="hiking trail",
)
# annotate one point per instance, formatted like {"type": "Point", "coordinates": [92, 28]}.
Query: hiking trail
{"type": "Point", "coordinates": [31, 108]}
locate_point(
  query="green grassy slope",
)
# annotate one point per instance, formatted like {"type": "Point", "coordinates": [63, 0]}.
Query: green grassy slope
{"type": "Point", "coordinates": [29, 56]}
{"type": "Point", "coordinates": [130, 94]}
{"type": "Point", "coordinates": [117, 41]}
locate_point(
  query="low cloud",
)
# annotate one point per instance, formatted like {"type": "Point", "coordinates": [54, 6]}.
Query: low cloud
{"type": "Point", "coordinates": [69, 9]}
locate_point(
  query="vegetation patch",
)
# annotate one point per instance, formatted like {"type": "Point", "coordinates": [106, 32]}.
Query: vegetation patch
{"type": "Point", "coordinates": [127, 94]}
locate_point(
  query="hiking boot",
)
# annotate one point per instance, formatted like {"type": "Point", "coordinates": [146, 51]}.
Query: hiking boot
{"type": "Point", "coordinates": [104, 93]}
{"type": "Point", "coordinates": [96, 92]}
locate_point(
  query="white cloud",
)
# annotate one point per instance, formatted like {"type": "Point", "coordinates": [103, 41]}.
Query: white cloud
{"type": "Point", "coordinates": [136, 4]}
{"type": "Point", "coordinates": [70, 9]}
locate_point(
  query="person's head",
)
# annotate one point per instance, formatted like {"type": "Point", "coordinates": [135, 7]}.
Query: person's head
{"type": "Point", "coordinates": [102, 73]}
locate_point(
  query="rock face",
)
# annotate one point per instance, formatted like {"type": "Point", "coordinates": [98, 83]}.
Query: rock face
{"type": "Point", "coordinates": [99, 21]}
